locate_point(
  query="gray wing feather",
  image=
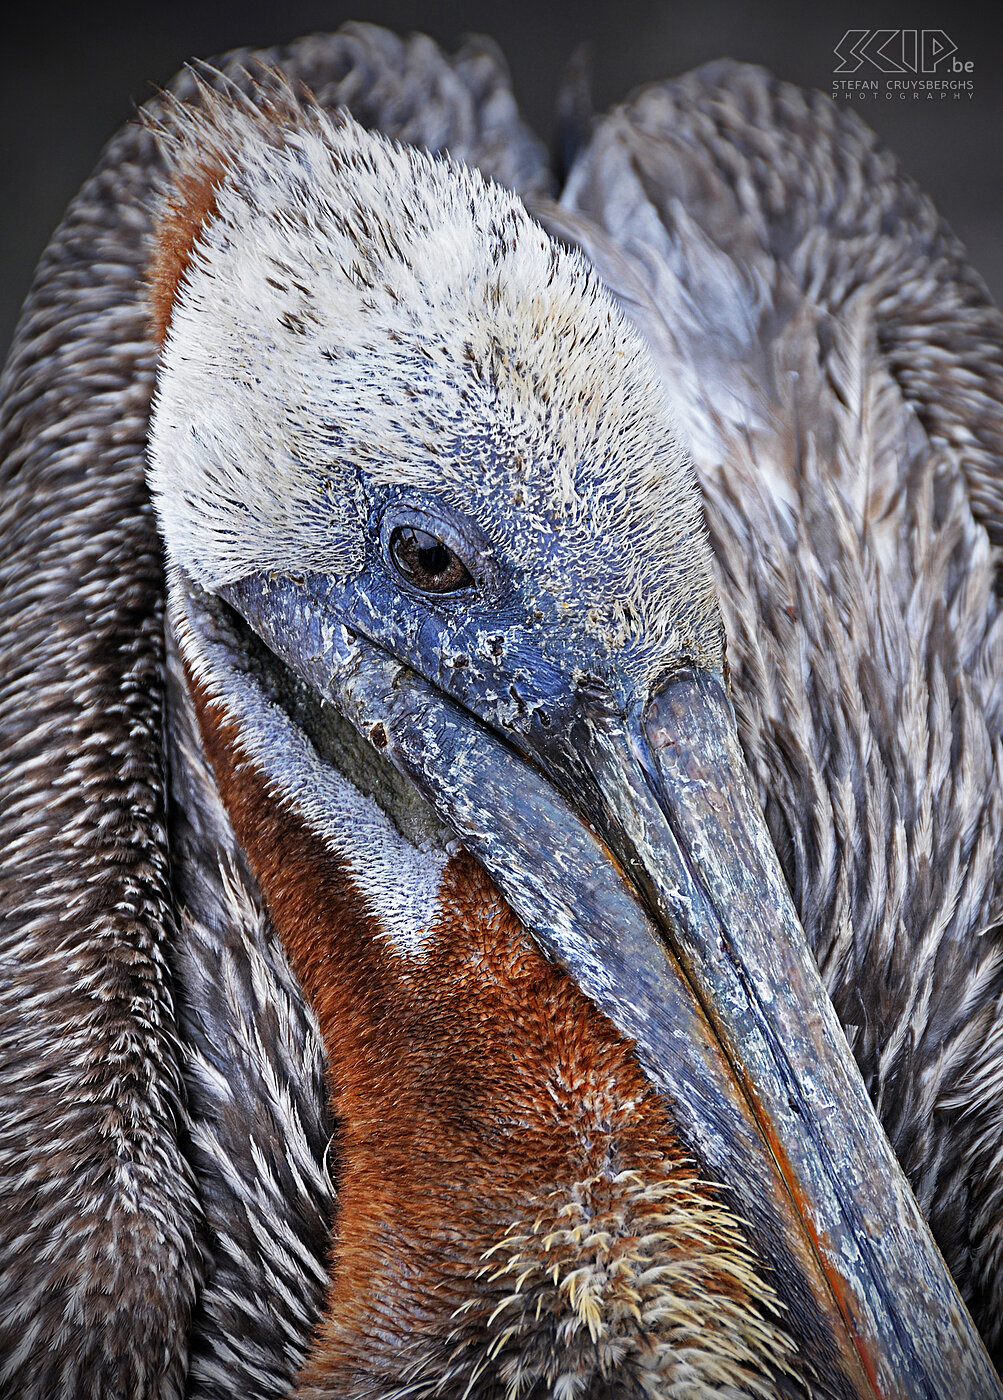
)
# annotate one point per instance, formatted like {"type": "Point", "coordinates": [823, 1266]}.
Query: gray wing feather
{"type": "Point", "coordinates": [99, 1266]}
{"type": "Point", "coordinates": [837, 366]}
{"type": "Point", "coordinates": [253, 1063]}
{"type": "Point", "coordinates": [162, 1131]}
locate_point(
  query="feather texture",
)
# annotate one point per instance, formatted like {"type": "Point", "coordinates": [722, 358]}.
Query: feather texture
{"type": "Point", "coordinates": [104, 1245]}
{"type": "Point", "coordinates": [837, 367]}
{"type": "Point", "coordinates": [838, 370]}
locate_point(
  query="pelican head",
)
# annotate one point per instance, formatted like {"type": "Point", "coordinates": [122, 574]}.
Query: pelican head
{"type": "Point", "coordinates": [443, 594]}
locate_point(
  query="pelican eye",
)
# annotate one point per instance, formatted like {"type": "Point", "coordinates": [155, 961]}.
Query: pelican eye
{"type": "Point", "coordinates": [426, 562]}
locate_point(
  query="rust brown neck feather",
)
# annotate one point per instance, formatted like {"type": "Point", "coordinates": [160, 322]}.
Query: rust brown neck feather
{"type": "Point", "coordinates": [470, 1083]}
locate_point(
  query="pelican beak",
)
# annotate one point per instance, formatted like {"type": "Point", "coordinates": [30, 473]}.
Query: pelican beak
{"type": "Point", "coordinates": [634, 848]}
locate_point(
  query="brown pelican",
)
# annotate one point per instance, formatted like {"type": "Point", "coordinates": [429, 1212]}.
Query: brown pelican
{"type": "Point", "coordinates": [401, 992]}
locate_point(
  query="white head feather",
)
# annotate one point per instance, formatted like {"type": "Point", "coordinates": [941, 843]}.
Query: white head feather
{"type": "Point", "coordinates": [355, 313]}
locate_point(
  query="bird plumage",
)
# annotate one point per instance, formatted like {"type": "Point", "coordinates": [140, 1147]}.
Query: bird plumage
{"type": "Point", "coordinates": [508, 397]}
{"type": "Point", "coordinates": [77, 526]}
{"type": "Point", "coordinates": [842, 395]}
{"type": "Point", "coordinates": [836, 366]}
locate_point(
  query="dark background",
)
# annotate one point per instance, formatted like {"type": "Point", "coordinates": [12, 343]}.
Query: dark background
{"type": "Point", "coordinates": [69, 78]}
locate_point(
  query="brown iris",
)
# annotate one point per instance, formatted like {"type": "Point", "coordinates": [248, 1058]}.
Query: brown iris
{"type": "Point", "coordinates": [426, 562]}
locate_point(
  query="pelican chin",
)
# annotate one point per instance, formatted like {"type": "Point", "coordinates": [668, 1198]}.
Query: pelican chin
{"type": "Point", "coordinates": [441, 1022]}
{"type": "Point", "coordinates": [418, 451]}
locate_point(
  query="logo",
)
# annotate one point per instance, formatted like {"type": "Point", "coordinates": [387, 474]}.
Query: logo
{"type": "Point", "coordinates": [899, 51]}
{"type": "Point", "coordinates": [901, 63]}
